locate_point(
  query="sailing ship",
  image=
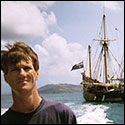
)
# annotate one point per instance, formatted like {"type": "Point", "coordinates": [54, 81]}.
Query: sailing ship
{"type": "Point", "coordinates": [111, 88]}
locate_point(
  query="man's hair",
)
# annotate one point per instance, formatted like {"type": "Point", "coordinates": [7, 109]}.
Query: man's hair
{"type": "Point", "coordinates": [17, 52]}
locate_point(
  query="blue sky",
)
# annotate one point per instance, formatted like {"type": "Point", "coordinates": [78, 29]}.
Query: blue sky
{"type": "Point", "coordinates": [59, 32]}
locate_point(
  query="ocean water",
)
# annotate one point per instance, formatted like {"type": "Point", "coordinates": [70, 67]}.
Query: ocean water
{"type": "Point", "coordinates": [86, 113]}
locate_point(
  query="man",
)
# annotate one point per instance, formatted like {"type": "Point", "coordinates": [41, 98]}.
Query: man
{"type": "Point", "coordinates": [21, 70]}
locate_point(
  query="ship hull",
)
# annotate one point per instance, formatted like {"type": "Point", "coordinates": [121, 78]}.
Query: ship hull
{"type": "Point", "coordinates": [103, 92]}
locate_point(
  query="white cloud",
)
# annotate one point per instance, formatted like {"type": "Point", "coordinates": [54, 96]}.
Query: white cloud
{"type": "Point", "coordinates": [42, 50]}
{"type": "Point", "coordinates": [43, 4]}
{"type": "Point", "coordinates": [57, 57]}
{"type": "Point", "coordinates": [23, 19]}
{"type": "Point", "coordinates": [50, 19]}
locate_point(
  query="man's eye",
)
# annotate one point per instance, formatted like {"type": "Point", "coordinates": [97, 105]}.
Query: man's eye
{"type": "Point", "coordinates": [27, 68]}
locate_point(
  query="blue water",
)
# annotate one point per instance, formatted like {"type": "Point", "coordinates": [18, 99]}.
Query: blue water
{"type": "Point", "coordinates": [86, 113]}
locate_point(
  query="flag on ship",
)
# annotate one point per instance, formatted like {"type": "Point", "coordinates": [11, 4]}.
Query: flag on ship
{"type": "Point", "coordinates": [77, 66]}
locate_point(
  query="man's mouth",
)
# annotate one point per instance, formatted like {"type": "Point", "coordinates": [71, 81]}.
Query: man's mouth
{"type": "Point", "coordinates": [22, 81]}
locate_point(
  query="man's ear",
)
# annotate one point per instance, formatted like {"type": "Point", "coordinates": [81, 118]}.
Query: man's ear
{"type": "Point", "coordinates": [37, 74]}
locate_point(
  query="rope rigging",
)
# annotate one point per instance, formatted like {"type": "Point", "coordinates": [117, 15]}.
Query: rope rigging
{"type": "Point", "coordinates": [98, 68]}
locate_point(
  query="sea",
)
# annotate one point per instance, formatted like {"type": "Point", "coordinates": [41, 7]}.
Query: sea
{"type": "Point", "coordinates": [86, 112]}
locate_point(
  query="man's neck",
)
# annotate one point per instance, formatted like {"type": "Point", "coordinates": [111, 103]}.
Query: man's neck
{"type": "Point", "coordinates": [26, 103]}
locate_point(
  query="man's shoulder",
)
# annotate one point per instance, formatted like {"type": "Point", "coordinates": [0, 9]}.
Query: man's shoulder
{"type": "Point", "coordinates": [59, 106]}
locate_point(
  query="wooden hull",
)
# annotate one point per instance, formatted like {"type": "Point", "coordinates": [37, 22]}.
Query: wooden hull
{"type": "Point", "coordinates": [100, 92]}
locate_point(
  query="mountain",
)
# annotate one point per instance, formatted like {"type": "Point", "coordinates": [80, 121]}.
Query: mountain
{"type": "Point", "coordinates": [60, 88]}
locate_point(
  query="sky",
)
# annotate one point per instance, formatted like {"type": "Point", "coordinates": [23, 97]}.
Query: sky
{"type": "Point", "coordinates": [59, 32]}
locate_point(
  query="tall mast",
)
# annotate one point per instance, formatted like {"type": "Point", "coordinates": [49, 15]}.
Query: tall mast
{"type": "Point", "coordinates": [104, 42]}
{"type": "Point", "coordinates": [105, 49]}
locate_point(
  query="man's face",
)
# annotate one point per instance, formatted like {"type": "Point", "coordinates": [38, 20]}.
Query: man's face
{"type": "Point", "coordinates": [22, 76]}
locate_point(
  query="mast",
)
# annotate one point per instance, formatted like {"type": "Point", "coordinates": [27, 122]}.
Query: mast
{"type": "Point", "coordinates": [104, 42]}
{"type": "Point", "coordinates": [89, 47]}
{"type": "Point", "coordinates": [105, 49]}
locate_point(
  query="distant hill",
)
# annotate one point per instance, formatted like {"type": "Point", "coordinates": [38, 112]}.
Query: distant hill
{"type": "Point", "coordinates": [60, 88]}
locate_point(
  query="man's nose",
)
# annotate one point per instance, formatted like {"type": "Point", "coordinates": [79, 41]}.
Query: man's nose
{"type": "Point", "coordinates": [22, 72]}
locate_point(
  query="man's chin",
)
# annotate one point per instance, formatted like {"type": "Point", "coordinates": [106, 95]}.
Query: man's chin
{"type": "Point", "coordinates": [26, 89]}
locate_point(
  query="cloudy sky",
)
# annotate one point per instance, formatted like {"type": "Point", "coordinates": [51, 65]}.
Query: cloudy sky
{"type": "Point", "coordinates": [59, 32]}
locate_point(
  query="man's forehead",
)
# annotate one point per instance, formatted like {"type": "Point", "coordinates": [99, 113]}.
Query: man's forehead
{"type": "Point", "coordinates": [22, 63]}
